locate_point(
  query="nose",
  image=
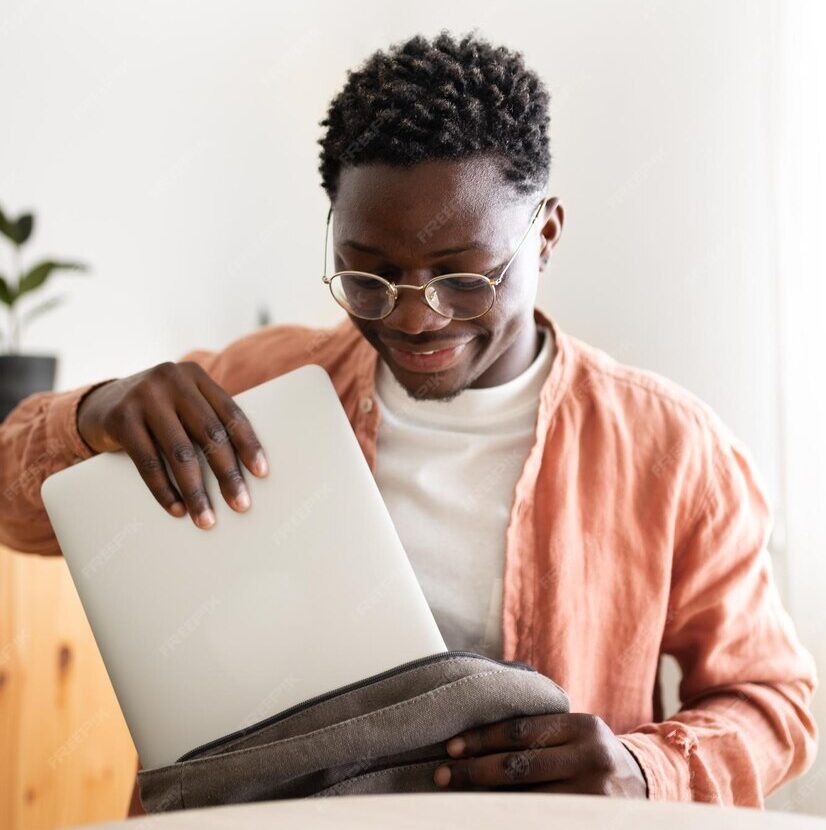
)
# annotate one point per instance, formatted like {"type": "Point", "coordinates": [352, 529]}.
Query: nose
{"type": "Point", "coordinates": [412, 315]}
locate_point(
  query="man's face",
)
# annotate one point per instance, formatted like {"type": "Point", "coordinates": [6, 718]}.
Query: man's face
{"type": "Point", "coordinates": [409, 224]}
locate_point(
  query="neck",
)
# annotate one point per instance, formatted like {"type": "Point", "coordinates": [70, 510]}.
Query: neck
{"type": "Point", "coordinates": [515, 360]}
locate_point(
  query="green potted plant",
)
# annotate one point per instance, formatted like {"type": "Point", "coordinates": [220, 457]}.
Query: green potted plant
{"type": "Point", "coordinates": [22, 375]}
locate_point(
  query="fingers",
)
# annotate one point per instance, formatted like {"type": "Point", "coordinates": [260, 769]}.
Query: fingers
{"type": "Point", "coordinates": [205, 416]}
{"type": "Point", "coordinates": [517, 733]}
{"type": "Point", "coordinates": [168, 431]}
{"type": "Point", "coordinates": [147, 459]}
{"type": "Point", "coordinates": [511, 769]}
{"type": "Point", "coordinates": [240, 430]}
{"type": "Point", "coordinates": [205, 427]}
{"type": "Point", "coordinates": [168, 413]}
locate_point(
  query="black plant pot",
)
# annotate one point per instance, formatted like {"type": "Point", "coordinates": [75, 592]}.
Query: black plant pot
{"type": "Point", "coordinates": [22, 375]}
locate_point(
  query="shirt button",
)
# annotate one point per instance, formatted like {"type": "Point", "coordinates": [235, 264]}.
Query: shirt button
{"type": "Point", "coordinates": [366, 404]}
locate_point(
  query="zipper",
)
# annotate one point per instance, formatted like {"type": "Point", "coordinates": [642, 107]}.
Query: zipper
{"type": "Point", "coordinates": [411, 664]}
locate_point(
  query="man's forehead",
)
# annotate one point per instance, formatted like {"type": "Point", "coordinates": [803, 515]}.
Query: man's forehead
{"type": "Point", "coordinates": [443, 227]}
{"type": "Point", "coordinates": [429, 206]}
{"type": "Point", "coordinates": [430, 183]}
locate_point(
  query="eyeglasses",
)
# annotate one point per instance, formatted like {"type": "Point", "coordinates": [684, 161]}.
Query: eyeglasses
{"type": "Point", "coordinates": [456, 296]}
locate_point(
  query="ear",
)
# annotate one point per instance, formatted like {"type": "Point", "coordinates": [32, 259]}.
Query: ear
{"type": "Point", "coordinates": [553, 218]}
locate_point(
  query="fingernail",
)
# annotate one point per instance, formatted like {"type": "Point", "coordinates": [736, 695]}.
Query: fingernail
{"type": "Point", "coordinates": [178, 508]}
{"type": "Point", "coordinates": [259, 464]}
{"type": "Point", "coordinates": [206, 518]}
{"type": "Point", "coordinates": [242, 500]}
{"type": "Point", "coordinates": [441, 777]}
{"type": "Point", "coordinates": [455, 747]}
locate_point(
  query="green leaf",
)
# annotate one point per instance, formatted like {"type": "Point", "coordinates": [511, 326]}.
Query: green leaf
{"type": "Point", "coordinates": [18, 231]}
{"type": "Point", "coordinates": [37, 275]}
{"type": "Point", "coordinates": [23, 228]}
{"type": "Point", "coordinates": [5, 225]}
{"type": "Point", "coordinates": [6, 294]}
{"type": "Point", "coordinates": [35, 312]}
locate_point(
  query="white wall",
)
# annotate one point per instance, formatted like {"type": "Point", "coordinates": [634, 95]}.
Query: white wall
{"type": "Point", "coordinates": [800, 175]}
{"type": "Point", "coordinates": [172, 146]}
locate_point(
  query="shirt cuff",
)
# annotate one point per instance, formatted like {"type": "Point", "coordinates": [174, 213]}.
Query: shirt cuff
{"type": "Point", "coordinates": [666, 771]}
{"type": "Point", "coordinates": [63, 417]}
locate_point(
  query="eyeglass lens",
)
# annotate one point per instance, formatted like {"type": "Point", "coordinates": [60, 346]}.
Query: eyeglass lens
{"type": "Point", "coordinates": [460, 296]}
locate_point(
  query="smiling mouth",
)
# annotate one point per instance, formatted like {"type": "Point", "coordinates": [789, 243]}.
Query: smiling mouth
{"type": "Point", "coordinates": [430, 360]}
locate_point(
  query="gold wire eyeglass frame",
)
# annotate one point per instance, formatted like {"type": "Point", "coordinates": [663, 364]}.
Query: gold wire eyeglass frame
{"type": "Point", "coordinates": [393, 288]}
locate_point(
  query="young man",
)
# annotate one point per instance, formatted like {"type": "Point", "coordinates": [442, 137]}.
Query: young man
{"type": "Point", "coordinates": [558, 507]}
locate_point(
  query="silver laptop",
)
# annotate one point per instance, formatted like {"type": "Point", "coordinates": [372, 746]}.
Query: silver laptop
{"type": "Point", "coordinates": [205, 632]}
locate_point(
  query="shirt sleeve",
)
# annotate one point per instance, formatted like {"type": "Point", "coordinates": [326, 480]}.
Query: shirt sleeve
{"type": "Point", "coordinates": [745, 726]}
{"type": "Point", "coordinates": [37, 438]}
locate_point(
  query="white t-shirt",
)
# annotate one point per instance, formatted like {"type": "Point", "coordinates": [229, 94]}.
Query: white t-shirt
{"type": "Point", "coordinates": [447, 472]}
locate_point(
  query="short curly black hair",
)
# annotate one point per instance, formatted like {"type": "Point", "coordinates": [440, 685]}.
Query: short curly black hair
{"type": "Point", "coordinates": [423, 100]}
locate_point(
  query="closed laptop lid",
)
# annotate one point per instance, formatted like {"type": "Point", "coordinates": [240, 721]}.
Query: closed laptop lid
{"type": "Point", "coordinates": [204, 632]}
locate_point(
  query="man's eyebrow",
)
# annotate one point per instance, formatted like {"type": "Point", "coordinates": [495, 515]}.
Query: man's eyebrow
{"type": "Point", "coordinates": [457, 249]}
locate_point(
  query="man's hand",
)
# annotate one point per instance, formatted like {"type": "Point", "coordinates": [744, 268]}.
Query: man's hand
{"type": "Point", "coordinates": [164, 412]}
{"type": "Point", "coordinates": [570, 753]}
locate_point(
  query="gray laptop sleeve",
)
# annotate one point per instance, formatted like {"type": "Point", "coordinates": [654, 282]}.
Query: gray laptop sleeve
{"type": "Point", "coordinates": [384, 734]}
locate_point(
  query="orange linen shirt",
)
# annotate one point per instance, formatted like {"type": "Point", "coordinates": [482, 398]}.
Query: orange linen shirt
{"type": "Point", "coordinates": [638, 527]}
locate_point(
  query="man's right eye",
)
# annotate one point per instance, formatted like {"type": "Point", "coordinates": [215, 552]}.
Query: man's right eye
{"type": "Point", "coordinates": [366, 282]}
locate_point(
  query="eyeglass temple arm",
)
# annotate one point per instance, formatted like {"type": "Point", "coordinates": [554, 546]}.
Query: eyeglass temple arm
{"type": "Point", "coordinates": [524, 237]}
{"type": "Point", "coordinates": [504, 270]}
{"type": "Point", "coordinates": [326, 237]}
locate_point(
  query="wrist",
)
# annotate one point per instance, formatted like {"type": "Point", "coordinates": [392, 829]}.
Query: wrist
{"type": "Point", "coordinates": [82, 417]}
{"type": "Point", "coordinates": [645, 793]}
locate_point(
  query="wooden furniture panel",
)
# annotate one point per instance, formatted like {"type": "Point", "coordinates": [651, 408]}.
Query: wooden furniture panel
{"type": "Point", "coordinates": [66, 757]}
